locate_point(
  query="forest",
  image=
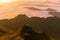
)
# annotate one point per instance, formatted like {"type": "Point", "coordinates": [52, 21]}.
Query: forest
{"type": "Point", "coordinates": [35, 28]}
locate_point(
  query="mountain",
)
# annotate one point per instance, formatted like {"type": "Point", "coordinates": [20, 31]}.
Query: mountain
{"type": "Point", "coordinates": [53, 12]}
{"type": "Point", "coordinates": [50, 25]}
{"type": "Point", "coordinates": [57, 14]}
{"type": "Point", "coordinates": [14, 23]}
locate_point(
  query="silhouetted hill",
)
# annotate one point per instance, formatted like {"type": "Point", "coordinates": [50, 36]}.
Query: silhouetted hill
{"type": "Point", "coordinates": [14, 23]}
{"type": "Point", "coordinates": [57, 14]}
{"type": "Point", "coordinates": [53, 12]}
{"type": "Point", "coordinates": [50, 25]}
{"type": "Point", "coordinates": [19, 21]}
{"type": "Point", "coordinates": [28, 33]}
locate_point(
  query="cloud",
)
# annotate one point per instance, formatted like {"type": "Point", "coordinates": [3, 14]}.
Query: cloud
{"type": "Point", "coordinates": [14, 9]}
{"type": "Point", "coordinates": [33, 8]}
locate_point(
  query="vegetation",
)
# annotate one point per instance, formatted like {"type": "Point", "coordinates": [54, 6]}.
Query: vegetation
{"type": "Point", "coordinates": [27, 33]}
{"type": "Point", "coordinates": [49, 26]}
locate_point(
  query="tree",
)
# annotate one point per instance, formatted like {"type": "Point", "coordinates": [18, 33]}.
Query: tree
{"type": "Point", "coordinates": [2, 32]}
{"type": "Point", "coordinates": [29, 34]}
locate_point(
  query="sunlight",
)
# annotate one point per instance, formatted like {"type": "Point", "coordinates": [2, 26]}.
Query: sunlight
{"type": "Point", "coordinates": [5, 1]}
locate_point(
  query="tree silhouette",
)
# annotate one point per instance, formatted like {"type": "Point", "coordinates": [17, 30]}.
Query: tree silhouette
{"type": "Point", "coordinates": [50, 25]}
{"type": "Point", "coordinates": [2, 32]}
{"type": "Point", "coordinates": [29, 34]}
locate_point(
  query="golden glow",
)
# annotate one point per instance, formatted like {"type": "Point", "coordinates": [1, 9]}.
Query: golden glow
{"type": "Point", "coordinates": [5, 0]}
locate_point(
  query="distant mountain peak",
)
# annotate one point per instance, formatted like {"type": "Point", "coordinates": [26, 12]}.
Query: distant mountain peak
{"type": "Point", "coordinates": [21, 15]}
{"type": "Point", "coordinates": [57, 14]}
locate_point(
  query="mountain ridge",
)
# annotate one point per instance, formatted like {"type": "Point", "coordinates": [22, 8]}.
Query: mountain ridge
{"type": "Point", "coordinates": [49, 25]}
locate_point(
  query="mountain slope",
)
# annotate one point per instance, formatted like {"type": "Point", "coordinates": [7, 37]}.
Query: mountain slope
{"type": "Point", "coordinates": [50, 25]}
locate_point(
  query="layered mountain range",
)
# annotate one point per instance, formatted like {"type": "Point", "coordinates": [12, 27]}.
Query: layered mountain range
{"type": "Point", "coordinates": [50, 25]}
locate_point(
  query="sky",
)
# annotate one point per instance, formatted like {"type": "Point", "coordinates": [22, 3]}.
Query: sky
{"type": "Point", "coordinates": [13, 8]}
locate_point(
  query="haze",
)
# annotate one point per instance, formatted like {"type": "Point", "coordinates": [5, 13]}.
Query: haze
{"type": "Point", "coordinates": [12, 9]}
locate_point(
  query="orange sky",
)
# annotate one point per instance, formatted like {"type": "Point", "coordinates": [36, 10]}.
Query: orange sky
{"type": "Point", "coordinates": [9, 10]}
